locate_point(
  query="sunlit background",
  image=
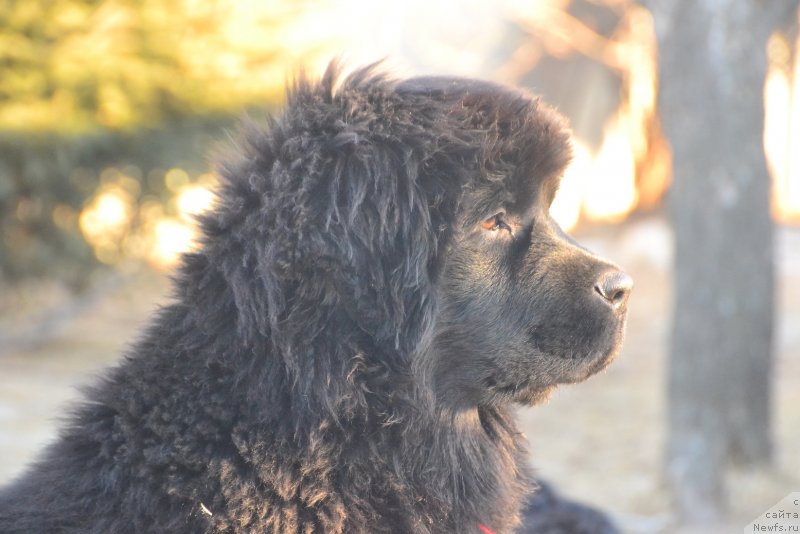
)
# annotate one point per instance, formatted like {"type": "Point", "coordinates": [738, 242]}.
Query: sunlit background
{"type": "Point", "coordinates": [80, 68]}
{"type": "Point", "coordinates": [112, 111]}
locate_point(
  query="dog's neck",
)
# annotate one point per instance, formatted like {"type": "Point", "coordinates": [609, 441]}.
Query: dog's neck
{"type": "Point", "coordinates": [342, 400]}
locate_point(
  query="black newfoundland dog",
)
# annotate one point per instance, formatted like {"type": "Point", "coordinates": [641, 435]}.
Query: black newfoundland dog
{"type": "Point", "coordinates": [379, 283]}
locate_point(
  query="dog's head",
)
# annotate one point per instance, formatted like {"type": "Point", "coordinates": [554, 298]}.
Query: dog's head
{"type": "Point", "coordinates": [523, 307]}
{"type": "Point", "coordinates": [413, 217]}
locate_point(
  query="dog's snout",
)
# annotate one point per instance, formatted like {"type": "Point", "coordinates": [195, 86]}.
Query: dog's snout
{"type": "Point", "coordinates": [615, 287]}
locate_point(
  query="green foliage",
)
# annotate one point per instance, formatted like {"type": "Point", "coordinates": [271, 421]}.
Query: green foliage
{"type": "Point", "coordinates": [72, 65]}
{"type": "Point", "coordinates": [136, 84]}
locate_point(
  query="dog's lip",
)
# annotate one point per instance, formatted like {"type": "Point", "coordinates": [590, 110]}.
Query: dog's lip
{"type": "Point", "coordinates": [590, 366]}
{"type": "Point", "coordinates": [587, 365]}
{"type": "Point", "coordinates": [593, 363]}
{"type": "Point", "coordinates": [582, 370]}
{"type": "Point", "coordinates": [535, 395]}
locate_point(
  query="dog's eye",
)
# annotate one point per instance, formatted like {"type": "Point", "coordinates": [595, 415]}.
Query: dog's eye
{"type": "Point", "coordinates": [497, 222]}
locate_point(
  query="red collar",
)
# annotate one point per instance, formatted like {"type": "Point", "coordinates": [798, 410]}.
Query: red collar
{"type": "Point", "coordinates": [485, 529]}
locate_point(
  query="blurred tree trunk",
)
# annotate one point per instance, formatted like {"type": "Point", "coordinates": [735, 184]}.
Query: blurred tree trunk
{"type": "Point", "coordinates": [712, 68]}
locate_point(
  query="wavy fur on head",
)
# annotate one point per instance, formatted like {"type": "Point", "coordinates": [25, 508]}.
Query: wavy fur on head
{"type": "Point", "coordinates": [321, 368]}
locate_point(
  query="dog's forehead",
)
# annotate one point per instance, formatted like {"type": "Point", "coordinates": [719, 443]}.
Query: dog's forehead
{"type": "Point", "coordinates": [473, 93]}
{"type": "Point", "coordinates": [532, 139]}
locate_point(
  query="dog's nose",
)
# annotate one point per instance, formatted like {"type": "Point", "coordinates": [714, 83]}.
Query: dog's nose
{"type": "Point", "coordinates": [615, 287]}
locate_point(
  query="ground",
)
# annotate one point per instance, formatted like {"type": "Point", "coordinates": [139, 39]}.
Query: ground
{"type": "Point", "coordinates": [600, 441]}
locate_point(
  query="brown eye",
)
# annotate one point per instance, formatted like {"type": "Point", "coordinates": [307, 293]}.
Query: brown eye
{"type": "Point", "coordinates": [495, 223]}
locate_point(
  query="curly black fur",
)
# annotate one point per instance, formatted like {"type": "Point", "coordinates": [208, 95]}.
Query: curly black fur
{"type": "Point", "coordinates": [342, 352]}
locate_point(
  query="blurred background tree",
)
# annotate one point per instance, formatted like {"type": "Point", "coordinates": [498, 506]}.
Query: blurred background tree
{"type": "Point", "coordinates": [713, 65]}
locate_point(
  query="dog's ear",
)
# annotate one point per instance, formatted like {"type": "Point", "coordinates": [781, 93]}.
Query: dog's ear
{"type": "Point", "coordinates": [337, 214]}
{"type": "Point", "coordinates": [370, 235]}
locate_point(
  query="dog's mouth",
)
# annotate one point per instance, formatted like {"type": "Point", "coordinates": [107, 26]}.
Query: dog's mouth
{"type": "Point", "coordinates": [525, 393]}
{"type": "Point", "coordinates": [536, 391]}
{"type": "Point", "coordinates": [531, 391]}
{"type": "Point", "coordinates": [565, 368]}
{"type": "Point", "coordinates": [579, 355]}
{"type": "Point", "coordinates": [587, 367]}
{"type": "Point", "coordinates": [598, 360]}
